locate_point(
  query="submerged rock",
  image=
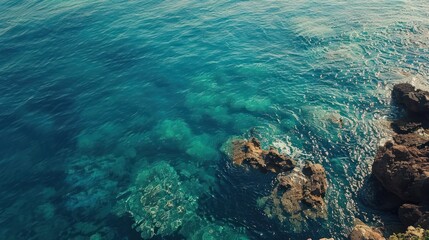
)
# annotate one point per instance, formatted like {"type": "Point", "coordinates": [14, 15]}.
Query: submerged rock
{"type": "Point", "coordinates": [250, 152]}
{"type": "Point", "coordinates": [162, 203]}
{"type": "Point", "coordinates": [361, 231]}
{"type": "Point", "coordinates": [158, 201]}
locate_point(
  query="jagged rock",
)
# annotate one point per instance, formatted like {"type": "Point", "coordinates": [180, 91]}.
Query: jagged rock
{"type": "Point", "coordinates": [250, 152]}
{"type": "Point", "coordinates": [318, 184]}
{"type": "Point", "coordinates": [361, 231]}
{"type": "Point", "coordinates": [420, 140]}
{"type": "Point", "coordinates": [402, 167]}
{"type": "Point", "coordinates": [299, 195]}
{"type": "Point", "coordinates": [415, 101]}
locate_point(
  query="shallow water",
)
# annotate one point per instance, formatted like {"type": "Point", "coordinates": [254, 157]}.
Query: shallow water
{"type": "Point", "coordinates": [112, 108]}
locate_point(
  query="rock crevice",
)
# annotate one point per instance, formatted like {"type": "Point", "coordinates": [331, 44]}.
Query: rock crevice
{"type": "Point", "coordinates": [402, 164]}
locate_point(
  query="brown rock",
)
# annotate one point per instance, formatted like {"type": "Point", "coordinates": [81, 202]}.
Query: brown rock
{"type": "Point", "coordinates": [276, 162]}
{"type": "Point", "coordinates": [414, 101]}
{"type": "Point", "coordinates": [418, 140]}
{"type": "Point", "coordinates": [299, 194]}
{"type": "Point", "coordinates": [402, 165]}
{"type": "Point", "coordinates": [250, 152]}
{"type": "Point", "coordinates": [404, 169]}
{"type": "Point", "coordinates": [361, 231]}
{"type": "Point", "coordinates": [317, 176]}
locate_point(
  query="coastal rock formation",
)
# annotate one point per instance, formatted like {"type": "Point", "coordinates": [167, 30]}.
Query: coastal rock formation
{"type": "Point", "coordinates": [298, 194]}
{"type": "Point", "coordinates": [402, 164]}
{"type": "Point", "coordinates": [316, 186]}
{"type": "Point", "coordinates": [250, 152]}
{"type": "Point", "coordinates": [361, 231]}
{"type": "Point", "coordinates": [414, 101]}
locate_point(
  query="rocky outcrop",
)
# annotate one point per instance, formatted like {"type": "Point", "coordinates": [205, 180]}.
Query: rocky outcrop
{"type": "Point", "coordinates": [414, 101]}
{"type": "Point", "coordinates": [361, 231]}
{"type": "Point", "coordinates": [250, 152]}
{"type": "Point", "coordinates": [402, 164]}
{"type": "Point", "coordinates": [317, 184]}
{"type": "Point", "coordinates": [298, 193]}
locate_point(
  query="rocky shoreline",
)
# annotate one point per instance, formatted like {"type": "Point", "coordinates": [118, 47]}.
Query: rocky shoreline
{"type": "Point", "coordinates": [402, 165]}
{"type": "Point", "coordinates": [400, 168]}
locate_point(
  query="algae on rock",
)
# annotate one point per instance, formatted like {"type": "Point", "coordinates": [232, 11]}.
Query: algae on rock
{"type": "Point", "coordinates": [412, 233]}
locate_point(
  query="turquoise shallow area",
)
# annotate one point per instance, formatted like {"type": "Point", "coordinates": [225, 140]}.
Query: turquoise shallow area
{"type": "Point", "coordinates": [114, 114]}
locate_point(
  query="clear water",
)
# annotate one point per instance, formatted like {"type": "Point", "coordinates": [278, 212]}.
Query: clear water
{"type": "Point", "coordinates": [103, 103]}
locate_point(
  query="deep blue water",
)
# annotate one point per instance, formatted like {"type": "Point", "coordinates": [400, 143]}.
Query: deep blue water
{"type": "Point", "coordinates": [114, 116]}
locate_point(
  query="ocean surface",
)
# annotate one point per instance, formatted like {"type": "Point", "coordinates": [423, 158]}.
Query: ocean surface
{"type": "Point", "coordinates": [115, 116]}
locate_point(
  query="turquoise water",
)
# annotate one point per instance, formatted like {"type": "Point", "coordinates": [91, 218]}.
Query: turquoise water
{"type": "Point", "coordinates": [115, 115]}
